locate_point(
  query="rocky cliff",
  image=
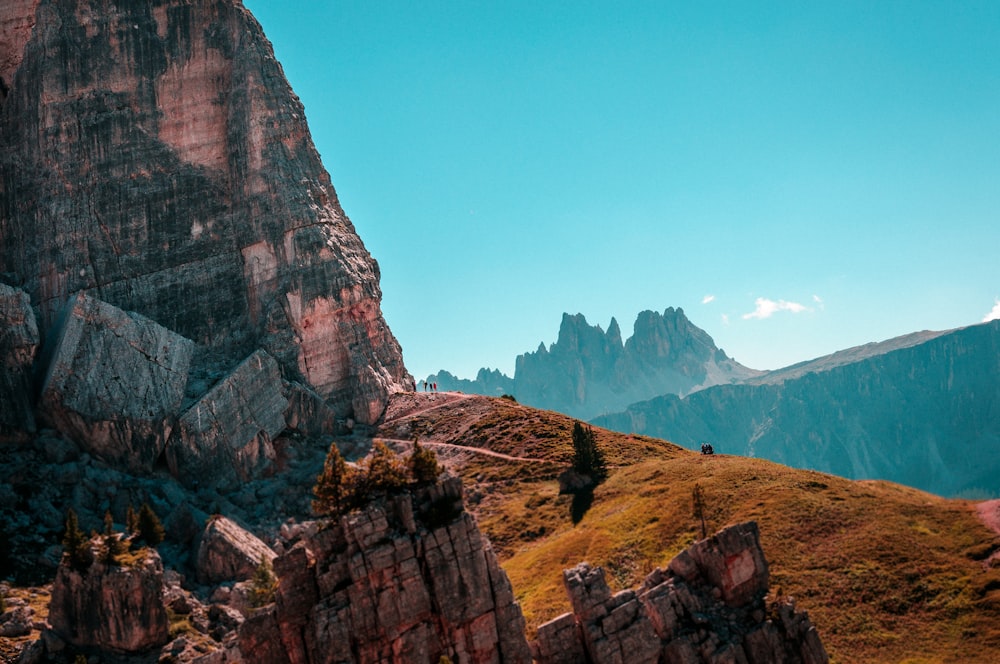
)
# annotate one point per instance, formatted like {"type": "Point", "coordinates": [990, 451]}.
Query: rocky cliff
{"type": "Point", "coordinates": [153, 156]}
{"type": "Point", "coordinates": [706, 606]}
{"type": "Point", "coordinates": [923, 412]}
{"type": "Point", "coordinates": [406, 578]}
{"type": "Point", "coordinates": [589, 372]}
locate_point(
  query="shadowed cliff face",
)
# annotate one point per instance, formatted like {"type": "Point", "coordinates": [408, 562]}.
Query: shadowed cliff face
{"type": "Point", "coordinates": [926, 415]}
{"type": "Point", "coordinates": [154, 156]}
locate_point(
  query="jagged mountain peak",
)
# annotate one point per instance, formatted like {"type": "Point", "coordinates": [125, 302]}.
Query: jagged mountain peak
{"type": "Point", "coordinates": [588, 371]}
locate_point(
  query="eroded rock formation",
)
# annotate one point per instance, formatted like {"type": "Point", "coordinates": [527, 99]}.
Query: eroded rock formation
{"type": "Point", "coordinates": [118, 608]}
{"type": "Point", "coordinates": [407, 580]}
{"type": "Point", "coordinates": [706, 607]}
{"type": "Point", "coordinates": [153, 154]}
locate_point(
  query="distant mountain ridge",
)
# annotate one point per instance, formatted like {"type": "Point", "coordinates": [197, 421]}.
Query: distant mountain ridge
{"type": "Point", "coordinates": [921, 410]}
{"type": "Point", "coordinates": [589, 372]}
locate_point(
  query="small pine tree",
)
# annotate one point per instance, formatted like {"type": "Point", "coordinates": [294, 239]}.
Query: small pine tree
{"type": "Point", "coordinates": [384, 471]}
{"type": "Point", "coordinates": [150, 528]}
{"type": "Point", "coordinates": [263, 584]}
{"type": "Point", "coordinates": [334, 485]}
{"type": "Point", "coordinates": [423, 464]}
{"type": "Point", "coordinates": [131, 521]}
{"type": "Point", "coordinates": [111, 545]}
{"type": "Point", "coordinates": [75, 543]}
{"type": "Point", "coordinates": [587, 457]}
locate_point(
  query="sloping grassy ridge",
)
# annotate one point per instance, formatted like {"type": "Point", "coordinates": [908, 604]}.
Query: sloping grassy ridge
{"type": "Point", "coordinates": [887, 573]}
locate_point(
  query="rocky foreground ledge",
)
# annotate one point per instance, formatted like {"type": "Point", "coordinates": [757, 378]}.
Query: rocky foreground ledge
{"type": "Point", "coordinates": [409, 578]}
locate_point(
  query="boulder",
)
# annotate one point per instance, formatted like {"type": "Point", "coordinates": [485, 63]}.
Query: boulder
{"type": "Point", "coordinates": [18, 344]}
{"type": "Point", "coordinates": [111, 607]}
{"type": "Point", "coordinates": [225, 437]}
{"type": "Point", "coordinates": [115, 382]}
{"type": "Point", "coordinates": [228, 552]}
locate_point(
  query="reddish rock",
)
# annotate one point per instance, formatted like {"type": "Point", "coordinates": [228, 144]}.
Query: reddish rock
{"type": "Point", "coordinates": [115, 382]}
{"type": "Point", "coordinates": [370, 588]}
{"type": "Point", "coordinates": [154, 154]}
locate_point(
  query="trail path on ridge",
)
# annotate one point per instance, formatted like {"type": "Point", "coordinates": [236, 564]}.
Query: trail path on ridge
{"type": "Point", "coordinates": [411, 405]}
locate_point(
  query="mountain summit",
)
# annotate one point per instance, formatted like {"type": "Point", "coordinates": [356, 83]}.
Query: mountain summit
{"type": "Point", "coordinates": [588, 372]}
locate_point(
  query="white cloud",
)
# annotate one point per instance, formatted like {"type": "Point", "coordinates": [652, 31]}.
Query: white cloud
{"type": "Point", "coordinates": [725, 319]}
{"type": "Point", "coordinates": [707, 299]}
{"type": "Point", "coordinates": [817, 299]}
{"type": "Point", "coordinates": [994, 312]}
{"type": "Point", "coordinates": [766, 308]}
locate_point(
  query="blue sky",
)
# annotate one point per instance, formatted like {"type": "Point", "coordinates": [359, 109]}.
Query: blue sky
{"type": "Point", "coordinates": [799, 177]}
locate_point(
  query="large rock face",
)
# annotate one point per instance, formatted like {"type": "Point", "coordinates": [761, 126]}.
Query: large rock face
{"type": "Point", "coordinates": [589, 372]}
{"type": "Point", "coordinates": [115, 382]}
{"type": "Point", "coordinates": [923, 410]}
{"type": "Point", "coordinates": [18, 344]}
{"type": "Point", "coordinates": [408, 580]}
{"type": "Point", "coordinates": [153, 154]}
{"type": "Point", "coordinates": [707, 606]}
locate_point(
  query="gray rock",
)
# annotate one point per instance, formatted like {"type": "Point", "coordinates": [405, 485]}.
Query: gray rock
{"type": "Point", "coordinates": [114, 382]}
{"type": "Point", "coordinates": [226, 436]}
{"type": "Point", "coordinates": [228, 552]}
{"type": "Point", "coordinates": [18, 344]}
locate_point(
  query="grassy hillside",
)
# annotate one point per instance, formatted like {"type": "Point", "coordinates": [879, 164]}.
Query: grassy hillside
{"type": "Point", "coordinates": [887, 573]}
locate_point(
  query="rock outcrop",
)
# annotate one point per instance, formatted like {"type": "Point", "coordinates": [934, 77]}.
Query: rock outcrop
{"type": "Point", "coordinates": [18, 344]}
{"type": "Point", "coordinates": [923, 410]}
{"type": "Point", "coordinates": [110, 607]}
{"type": "Point", "coordinates": [153, 155]}
{"type": "Point", "coordinates": [409, 579]}
{"type": "Point", "coordinates": [115, 382]}
{"type": "Point", "coordinates": [588, 372]}
{"type": "Point", "coordinates": [227, 552]}
{"type": "Point", "coordinates": [707, 606]}
{"type": "Point", "coordinates": [226, 437]}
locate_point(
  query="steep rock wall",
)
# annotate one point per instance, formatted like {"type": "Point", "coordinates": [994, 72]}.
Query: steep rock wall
{"type": "Point", "coordinates": [154, 155]}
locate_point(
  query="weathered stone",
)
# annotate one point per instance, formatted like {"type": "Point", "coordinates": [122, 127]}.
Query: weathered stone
{"type": "Point", "coordinates": [370, 589]}
{"type": "Point", "coordinates": [706, 607]}
{"type": "Point", "coordinates": [226, 436]}
{"type": "Point", "coordinates": [559, 642]}
{"type": "Point", "coordinates": [733, 562]}
{"type": "Point", "coordinates": [114, 382]}
{"type": "Point", "coordinates": [308, 413]}
{"type": "Point", "coordinates": [110, 607]}
{"type": "Point", "coordinates": [154, 154]}
{"type": "Point", "coordinates": [228, 552]}
{"type": "Point", "coordinates": [18, 344]}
